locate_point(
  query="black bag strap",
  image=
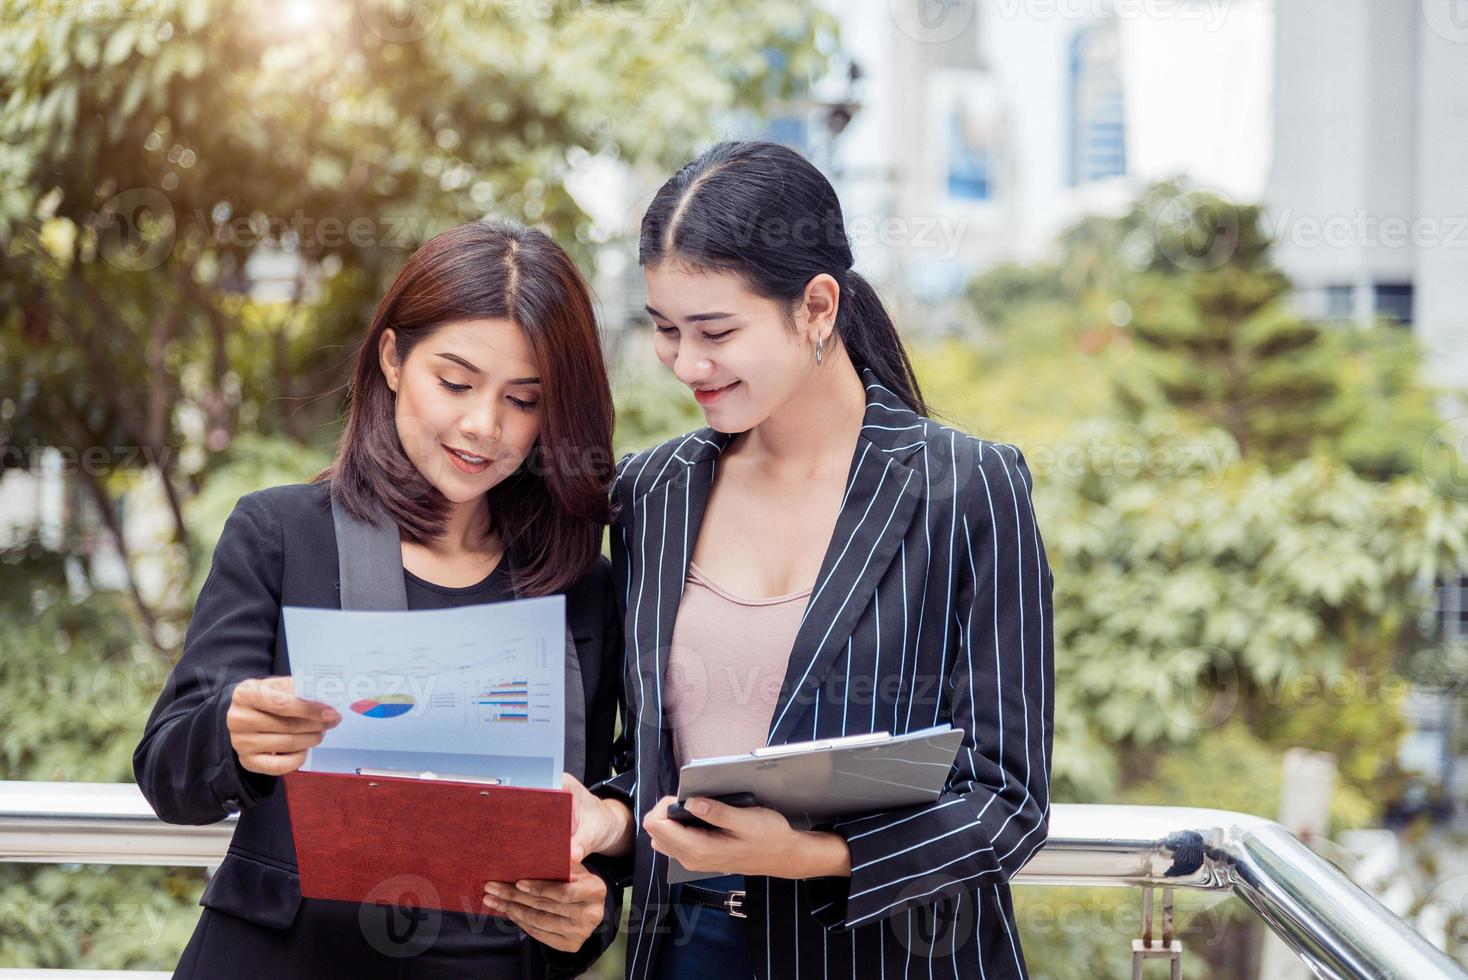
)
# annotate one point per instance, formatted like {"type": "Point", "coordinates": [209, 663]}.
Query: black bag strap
{"type": "Point", "coordinates": [370, 568]}
{"type": "Point", "coordinates": [369, 562]}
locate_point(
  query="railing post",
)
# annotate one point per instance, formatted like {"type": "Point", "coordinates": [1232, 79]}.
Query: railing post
{"type": "Point", "coordinates": [1169, 948]}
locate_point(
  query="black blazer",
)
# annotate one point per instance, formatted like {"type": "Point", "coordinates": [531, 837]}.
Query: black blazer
{"type": "Point", "coordinates": [278, 548]}
{"type": "Point", "coordinates": [933, 605]}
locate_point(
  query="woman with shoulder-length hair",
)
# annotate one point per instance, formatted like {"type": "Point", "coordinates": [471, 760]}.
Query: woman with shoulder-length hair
{"type": "Point", "coordinates": [822, 560]}
{"type": "Point", "coordinates": [480, 430]}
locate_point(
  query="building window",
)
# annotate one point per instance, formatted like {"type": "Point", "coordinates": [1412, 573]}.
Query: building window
{"type": "Point", "coordinates": [1394, 302]}
{"type": "Point", "coordinates": [1340, 302]}
{"type": "Point", "coordinates": [970, 161]}
{"type": "Point", "coordinates": [791, 131]}
{"type": "Point", "coordinates": [964, 125]}
{"type": "Point", "coordinates": [1452, 610]}
{"type": "Point", "coordinates": [1097, 105]}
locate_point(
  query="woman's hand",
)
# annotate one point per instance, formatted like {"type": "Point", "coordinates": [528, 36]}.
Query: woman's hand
{"type": "Point", "coordinates": [598, 826]}
{"type": "Point", "coordinates": [271, 729]}
{"type": "Point", "coordinates": [750, 840]}
{"type": "Point", "coordinates": [561, 914]}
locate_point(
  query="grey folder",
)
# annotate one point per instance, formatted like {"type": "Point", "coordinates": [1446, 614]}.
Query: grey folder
{"type": "Point", "coordinates": [815, 782]}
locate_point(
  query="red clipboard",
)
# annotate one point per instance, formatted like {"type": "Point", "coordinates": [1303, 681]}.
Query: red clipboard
{"type": "Point", "coordinates": [423, 843]}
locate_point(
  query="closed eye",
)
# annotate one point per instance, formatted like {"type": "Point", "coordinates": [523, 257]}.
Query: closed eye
{"type": "Point", "coordinates": [673, 332]}
{"type": "Point", "coordinates": [453, 387]}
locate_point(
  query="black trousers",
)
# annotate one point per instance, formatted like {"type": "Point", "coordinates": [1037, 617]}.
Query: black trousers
{"type": "Point", "coordinates": [356, 942]}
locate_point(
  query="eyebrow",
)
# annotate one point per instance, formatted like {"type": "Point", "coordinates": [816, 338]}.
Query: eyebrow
{"type": "Point", "coordinates": [467, 366]}
{"type": "Point", "coordinates": [695, 318]}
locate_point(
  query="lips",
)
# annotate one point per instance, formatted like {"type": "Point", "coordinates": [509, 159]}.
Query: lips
{"type": "Point", "coordinates": [708, 396]}
{"type": "Point", "coordinates": [467, 462]}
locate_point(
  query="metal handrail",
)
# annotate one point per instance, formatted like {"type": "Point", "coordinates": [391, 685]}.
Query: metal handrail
{"type": "Point", "coordinates": [1336, 926]}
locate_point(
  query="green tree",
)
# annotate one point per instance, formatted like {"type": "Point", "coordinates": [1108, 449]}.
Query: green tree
{"type": "Point", "coordinates": [1182, 293]}
{"type": "Point", "coordinates": [1214, 333]}
{"type": "Point", "coordinates": [200, 201]}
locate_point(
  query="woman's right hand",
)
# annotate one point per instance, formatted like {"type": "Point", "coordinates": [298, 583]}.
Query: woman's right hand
{"type": "Point", "coordinates": [598, 826]}
{"type": "Point", "coordinates": [271, 729]}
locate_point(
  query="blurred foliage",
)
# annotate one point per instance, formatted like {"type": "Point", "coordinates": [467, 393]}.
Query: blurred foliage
{"type": "Point", "coordinates": [1390, 410]}
{"type": "Point", "coordinates": [1192, 584]}
{"type": "Point", "coordinates": [97, 681]}
{"type": "Point", "coordinates": [652, 406]}
{"type": "Point", "coordinates": [203, 199]}
{"type": "Point", "coordinates": [1008, 287]}
{"type": "Point", "coordinates": [1078, 933]}
{"type": "Point", "coordinates": [1182, 292]}
{"type": "Point", "coordinates": [251, 462]}
{"type": "Point", "coordinates": [1198, 583]}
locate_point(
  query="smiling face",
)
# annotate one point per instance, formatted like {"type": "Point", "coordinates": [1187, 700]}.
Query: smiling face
{"type": "Point", "coordinates": [468, 403]}
{"type": "Point", "coordinates": [735, 349]}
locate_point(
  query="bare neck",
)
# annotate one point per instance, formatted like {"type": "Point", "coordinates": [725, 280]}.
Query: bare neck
{"type": "Point", "coordinates": [466, 531]}
{"type": "Point", "coordinates": [814, 433]}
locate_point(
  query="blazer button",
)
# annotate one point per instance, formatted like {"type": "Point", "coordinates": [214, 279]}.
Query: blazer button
{"type": "Point", "coordinates": [232, 805]}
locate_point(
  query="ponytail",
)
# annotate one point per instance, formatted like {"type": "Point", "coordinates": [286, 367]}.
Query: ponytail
{"type": "Point", "coordinates": [765, 213]}
{"type": "Point", "coordinates": [871, 340]}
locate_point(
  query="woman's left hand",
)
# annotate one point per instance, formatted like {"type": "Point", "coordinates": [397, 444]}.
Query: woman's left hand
{"type": "Point", "coordinates": [561, 914]}
{"type": "Point", "coordinates": [750, 841]}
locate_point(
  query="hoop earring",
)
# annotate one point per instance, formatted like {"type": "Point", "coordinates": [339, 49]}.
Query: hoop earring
{"type": "Point", "coordinates": [820, 350]}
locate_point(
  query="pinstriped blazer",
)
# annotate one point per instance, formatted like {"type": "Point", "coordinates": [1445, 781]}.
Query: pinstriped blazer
{"type": "Point", "coordinates": [932, 605]}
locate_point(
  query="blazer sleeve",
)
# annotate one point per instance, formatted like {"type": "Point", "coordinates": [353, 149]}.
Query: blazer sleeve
{"type": "Point", "coordinates": [185, 764]}
{"type": "Point", "coordinates": [994, 813]}
{"type": "Point", "coordinates": [623, 785]}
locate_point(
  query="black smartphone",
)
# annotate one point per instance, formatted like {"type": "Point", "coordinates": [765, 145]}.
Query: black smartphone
{"type": "Point", "coordinates": [679, 812]}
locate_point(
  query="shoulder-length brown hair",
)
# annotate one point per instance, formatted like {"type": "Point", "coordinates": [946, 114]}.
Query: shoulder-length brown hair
{"type": "Point", "coordinates": [551, 511]}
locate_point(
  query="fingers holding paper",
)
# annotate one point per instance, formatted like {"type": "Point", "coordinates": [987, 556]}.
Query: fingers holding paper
{"type": "Point", "coordinates": [560, 914]}
{"type": "Point", "coordinates": [271, 729]}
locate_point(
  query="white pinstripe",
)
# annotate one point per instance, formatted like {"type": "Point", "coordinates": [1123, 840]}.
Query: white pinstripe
{"type": "Point", "coordinates": [830, 578]}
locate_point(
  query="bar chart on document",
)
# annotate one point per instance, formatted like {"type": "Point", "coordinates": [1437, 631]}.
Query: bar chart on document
{"type": "Point", "coordinates": [474, 690]}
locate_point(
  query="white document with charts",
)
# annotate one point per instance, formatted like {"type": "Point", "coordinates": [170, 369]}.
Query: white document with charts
{"type": "Point", "coordinates": [472, 691]}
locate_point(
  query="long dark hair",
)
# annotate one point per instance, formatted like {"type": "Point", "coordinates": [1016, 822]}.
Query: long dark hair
{"type": "Point", "coordinates": [765, 213]}
{"type": "Point", "coordinates": [551, 511]}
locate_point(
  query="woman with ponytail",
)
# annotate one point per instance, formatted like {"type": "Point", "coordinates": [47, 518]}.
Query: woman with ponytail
{"type": "Point", "coordinates": [821, 560]}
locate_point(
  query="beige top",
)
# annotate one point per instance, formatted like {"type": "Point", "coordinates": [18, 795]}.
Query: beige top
{"type": "Point", "coordinates": [726, 666]}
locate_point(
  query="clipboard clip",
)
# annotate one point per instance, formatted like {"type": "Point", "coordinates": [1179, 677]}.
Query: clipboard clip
{"type": "Point", "coordinates": [453, 777]}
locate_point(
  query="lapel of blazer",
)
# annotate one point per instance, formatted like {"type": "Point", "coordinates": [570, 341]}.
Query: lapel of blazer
{"type": "Point", "coordinates": [882, 493]}
{"type": "Point", "coordinates": [665, 527]}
